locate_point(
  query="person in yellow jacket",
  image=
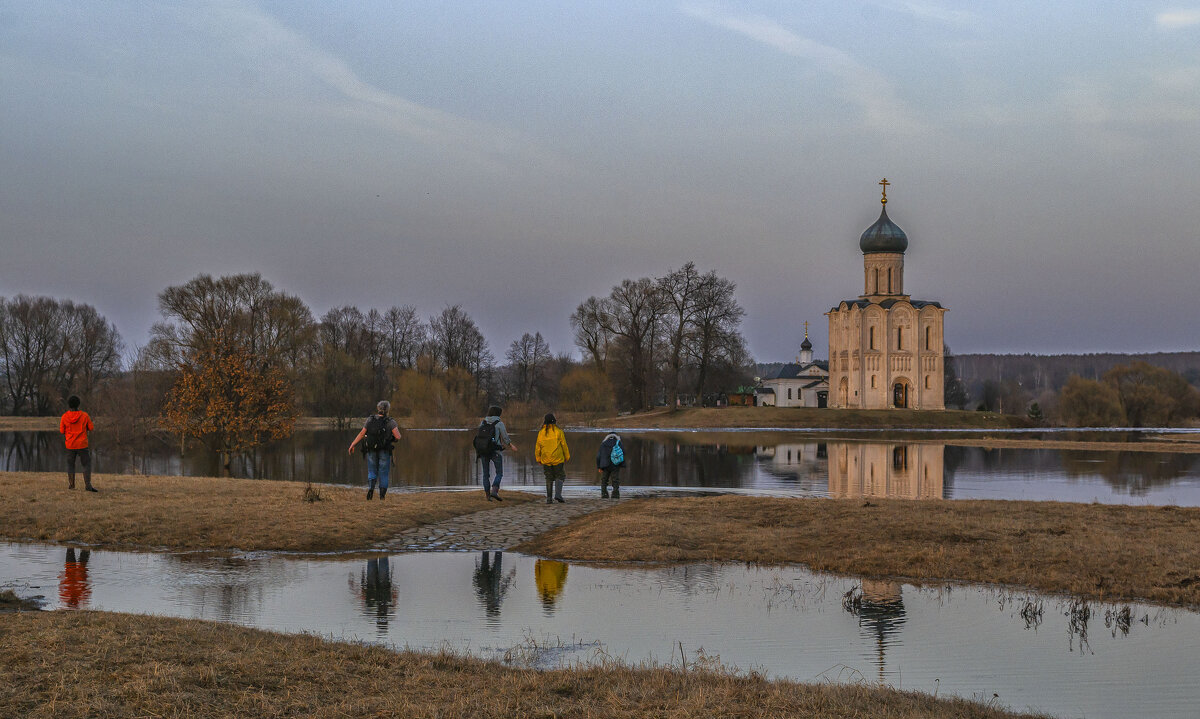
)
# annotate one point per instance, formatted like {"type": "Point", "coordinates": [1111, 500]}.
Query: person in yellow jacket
{"type": "Point", "coordinates": [551, 452]}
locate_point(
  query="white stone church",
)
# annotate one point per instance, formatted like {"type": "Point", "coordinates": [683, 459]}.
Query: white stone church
{"type": "Point", "coordinates": [885, 348]}
{"type": "Point", "coordinates": [804, 383]}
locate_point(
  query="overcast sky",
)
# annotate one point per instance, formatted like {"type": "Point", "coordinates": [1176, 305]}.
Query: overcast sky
{"type": "Point", "coordinates": [518, 157]}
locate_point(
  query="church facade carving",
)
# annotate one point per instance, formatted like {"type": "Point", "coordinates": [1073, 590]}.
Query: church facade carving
{"type": "Point", "coordinates": [886, 349]}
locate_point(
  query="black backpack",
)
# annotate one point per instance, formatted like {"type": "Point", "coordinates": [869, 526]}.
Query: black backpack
{"type": "Point", "coordinates": [485, 443]}
{"type": "Point", "coordinates": [379, 438]}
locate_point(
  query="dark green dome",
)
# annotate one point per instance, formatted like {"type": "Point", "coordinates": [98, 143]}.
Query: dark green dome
{"type": "Point", "coordinates": [883, 236]}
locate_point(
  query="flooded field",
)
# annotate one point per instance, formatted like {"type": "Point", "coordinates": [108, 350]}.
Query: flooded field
{"type": "Point", "coordinates": [1030, 651]}
{"type": "Point", "coordinates": [758, 462]}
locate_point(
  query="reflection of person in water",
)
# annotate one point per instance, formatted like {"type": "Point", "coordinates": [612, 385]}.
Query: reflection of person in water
{"type": "Point", "coordinates": [73, 587]}
{"type": "Point", "coordinates": [377, 592]}
{"type": "Point", "coordinates": [551, 577]}
{"type": "Point", "coordinates": [490, 582]}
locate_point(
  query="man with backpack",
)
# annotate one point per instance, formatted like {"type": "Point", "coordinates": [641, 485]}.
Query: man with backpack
{"type": "Point", "coordinates": [379, 433]}
{"type": "Point", "coordinates": [491, 438]}
{"type": "Point", "coordinates": [609, 461]}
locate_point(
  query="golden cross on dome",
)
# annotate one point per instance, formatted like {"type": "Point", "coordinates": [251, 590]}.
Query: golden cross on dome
{"type": "Point", "coordinates": [884, 183]}
{"type": "Point", "coordinates": [805, 329]}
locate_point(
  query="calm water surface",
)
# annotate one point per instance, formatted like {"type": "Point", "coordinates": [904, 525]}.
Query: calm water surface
{"type": "Point", "coordinates": [1032, 651]}
{"type": "Point", "coordinates": [758, 462]}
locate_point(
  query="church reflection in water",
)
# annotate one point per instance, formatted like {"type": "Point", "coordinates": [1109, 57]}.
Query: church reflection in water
{"type": "Point", "coordinates": [897, 471]}
{"type": "Point", "coordinates": [879, 606]}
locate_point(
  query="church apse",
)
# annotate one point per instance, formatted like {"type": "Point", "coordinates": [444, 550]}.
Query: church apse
{"type": "Point", "coordinates": [893, 471]}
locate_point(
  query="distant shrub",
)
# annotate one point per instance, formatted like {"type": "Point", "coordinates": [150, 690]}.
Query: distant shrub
{"type": "Point", "coordinates": [586, 389]}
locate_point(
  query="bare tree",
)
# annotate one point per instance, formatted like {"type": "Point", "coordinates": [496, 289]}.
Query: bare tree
{"type": "Point", "coordinates": [405, 335]}
{"type": "Point", "coordinates": [681, 292]}
{"type": "Point", "coordinates": [528, 357]}
{"type": "Point", "coordinates": [634, 320]}
{"type": "Point", "coordinates": [716, 341]}
{"type": "Point", "coordinates": [456, 341]}
{"type": "Point", "coordinates": [50, 349]}
{"type": "Point", "coordinates": [591, 337]}
{"type": "Point", "coordinates": [244, 310]}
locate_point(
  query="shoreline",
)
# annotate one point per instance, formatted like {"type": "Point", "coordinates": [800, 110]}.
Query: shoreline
{"type": "Point", "coordinates": [1106, 552]}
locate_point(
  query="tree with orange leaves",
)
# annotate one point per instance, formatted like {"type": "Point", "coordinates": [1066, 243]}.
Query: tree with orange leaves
{"type": "Point", "coordinates": [230, 400]}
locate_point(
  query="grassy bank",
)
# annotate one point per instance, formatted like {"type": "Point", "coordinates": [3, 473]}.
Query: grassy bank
{"type": "Point", "coordinates": [1091, 550]}
{"type": "Point", "coordinates": [135, 666]}
{"type": "Point", "coordinates": [809, 417]}
{"type": "Point", "coordinates": [197, 513]}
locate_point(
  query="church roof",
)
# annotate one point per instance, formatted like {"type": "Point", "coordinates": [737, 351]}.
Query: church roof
{"type": "Point", "coordinates": [806, 345]}
{"type": "Point", "coordinates": [887, 304]}
{"type": "Point", "coordinates": [883, 236]}
{"type": "Point", "coordinates": [792, 370]}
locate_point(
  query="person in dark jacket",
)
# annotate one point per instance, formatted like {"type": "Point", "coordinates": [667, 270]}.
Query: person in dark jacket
{"type": "Point", "coordinates": [609, 471]}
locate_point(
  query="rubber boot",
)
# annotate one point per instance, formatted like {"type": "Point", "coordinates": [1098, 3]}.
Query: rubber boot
{"type": "Point", "coordinates": [616, 493]}
{"type": "Point", "coordinates": [370, 492]}
{"type": "Point", "coordinates": [382, 493]}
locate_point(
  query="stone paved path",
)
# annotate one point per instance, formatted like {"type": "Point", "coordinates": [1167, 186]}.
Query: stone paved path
{"type": "Point", "coordinates": [507, 525]}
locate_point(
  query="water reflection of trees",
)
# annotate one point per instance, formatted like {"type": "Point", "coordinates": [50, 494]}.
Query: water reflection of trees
{"type": "Point", "coordinates": [1135, 473]}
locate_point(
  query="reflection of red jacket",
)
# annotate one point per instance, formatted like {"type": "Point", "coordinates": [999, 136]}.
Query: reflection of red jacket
{"type": "Point", "coordinates": [73, 589]}
{"type": "Point", "coordinates": [75, 425]}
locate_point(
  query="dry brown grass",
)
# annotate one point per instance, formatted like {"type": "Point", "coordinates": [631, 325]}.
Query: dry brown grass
{"type": "Point", "coordinates": [91, 664]}
{"type": "Point", "coordinates": [195, 513]}
{"type": "Point", "coordinates": [1090, 550]}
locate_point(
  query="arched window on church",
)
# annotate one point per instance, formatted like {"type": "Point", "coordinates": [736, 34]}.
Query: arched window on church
{"type": "Point", "coordinates": [875, 288]}
{"type": "Point", "coordinates": [926, 381]}
{"type": "Point", "coordinates": [872, 381]}
{"type": "Point", "coordinates": [928, 334]}
{"type": "Point", "coordinates": [789, 392]}
{"type": "Point", "coordinates": [889, 280]}
{"type": "Point", "coordinates": [899, 338]}
{"type": "Point", "coordinates": [871, 338]}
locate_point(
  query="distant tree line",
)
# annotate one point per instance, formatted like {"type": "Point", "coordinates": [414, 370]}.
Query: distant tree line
{"type": "Point", "coordinates": [234, 361]}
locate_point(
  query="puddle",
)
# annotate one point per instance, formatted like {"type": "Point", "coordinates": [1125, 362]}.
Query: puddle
{"type": "Point", "coordinates": [1033, 651]}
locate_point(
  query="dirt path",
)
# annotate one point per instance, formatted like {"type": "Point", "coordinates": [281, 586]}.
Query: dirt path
{"type": "Point", "coordinates": [500, 528]}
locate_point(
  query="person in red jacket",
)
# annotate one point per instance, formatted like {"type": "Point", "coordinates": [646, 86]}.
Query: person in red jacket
{"type": "Point", "coordinates": [76, 425]}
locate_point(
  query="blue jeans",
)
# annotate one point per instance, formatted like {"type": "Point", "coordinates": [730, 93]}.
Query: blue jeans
{"type": "Point", "coordinates": [498, 461]}
{"type": "Point", "coordinates": [379, 466]}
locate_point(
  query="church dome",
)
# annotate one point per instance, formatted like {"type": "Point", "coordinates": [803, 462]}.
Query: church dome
{"type": "Point", "coordinates": [883, 236]}
{"type": "Point", "coordinates": [806, 345]}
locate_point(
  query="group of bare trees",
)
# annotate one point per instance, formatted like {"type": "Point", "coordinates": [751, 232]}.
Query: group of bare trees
{"type": "Point", "coordinates": [236, 359]}
{"type": "Point", "coordinates": [51, 349]}
{"type": "Point", "coordinates": [671, 339]}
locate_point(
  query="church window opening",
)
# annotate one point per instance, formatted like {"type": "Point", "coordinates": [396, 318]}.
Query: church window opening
{"type": "Point", "coordinates": [871, 338]}
{"type": "Point", "coordinates": [926, 381]}
{"type": "Point", "coordinates": [899, 338]}
{"type": "Point", "coordinates": [789, 392]}
{"type": "Point", "coordinates": [872, 381]}
{"type": "Point", "coordinates": [928, 333]}
{"type": "Point", "coordinates": [889, 280]}
{"type": "Point", "coordinates": [875, 287]}
{"type": "Point", "coordinates": [900, 458]}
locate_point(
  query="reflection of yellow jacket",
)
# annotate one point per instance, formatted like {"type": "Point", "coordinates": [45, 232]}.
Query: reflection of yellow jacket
{"type": "Point", "coordinates": [550, 577]}
{"type": "Point", "coordinates": [551, 446]}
